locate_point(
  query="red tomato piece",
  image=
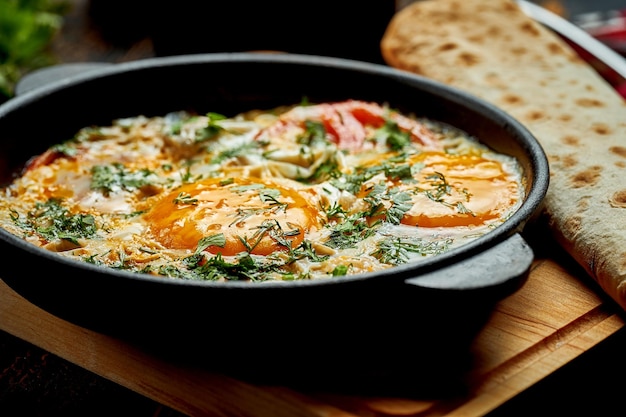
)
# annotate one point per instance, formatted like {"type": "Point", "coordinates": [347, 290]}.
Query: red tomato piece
{"type": "Point", "coordinates": [345, 123]}
{"type": "Point", "coordinates": [45, 158]}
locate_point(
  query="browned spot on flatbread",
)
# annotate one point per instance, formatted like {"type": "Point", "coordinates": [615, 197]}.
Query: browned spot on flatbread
{"type": "Point", "coordinates": [554, 158]}
{"type": "Point", "coordinates": [534, 115]}
{"type": "Point", "coordinates": [570, 140]}
{"type": "Point", "coordinates": [565, 117]}
{"type": "Point", "coordinates": [587, 177]}
{"type": "Point", "coordinates": [618, 199]}
{"type": "Point", "coordinates": [554, 48]}
{"type": "Point", "coordinates": [493, 32]}
{"type": "Point", "coordinates": [569, 161]}
{"type": "Point", "coordinates": [477, 39]}
{"type": "Point", "coordinates": [448, 46]}
{"type": "Point", "coordinates": [601, 129]}
{"type": "Point", "coordinates": [468, 60]}
{"type": "Point", "coordinates": [618, 150]}
{"type": "Point", "coordinates": [620, 164]}
{"type": "Point", "coordinates": [512, 99]}
{"type": "Point", "coordinates": [589, 102]}
{"type": "Point", "coordinates": [529, 28]}
{"type": "Point", "coordinates": [510, 8]}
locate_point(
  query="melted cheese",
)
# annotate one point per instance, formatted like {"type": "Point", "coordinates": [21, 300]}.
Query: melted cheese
{"type": "Point", "coordinates": [298, 192]}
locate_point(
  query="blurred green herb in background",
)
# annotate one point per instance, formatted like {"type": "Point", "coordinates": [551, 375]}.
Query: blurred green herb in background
{"type": "Point", "coordinates": [27, 28]}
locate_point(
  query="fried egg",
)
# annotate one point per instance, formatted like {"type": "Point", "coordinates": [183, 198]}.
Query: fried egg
{"type": "Point", "coordinates": [254, 215]}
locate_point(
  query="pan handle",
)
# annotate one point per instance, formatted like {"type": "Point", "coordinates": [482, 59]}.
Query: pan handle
{"type": "Point", "coordinates": [506, 264]}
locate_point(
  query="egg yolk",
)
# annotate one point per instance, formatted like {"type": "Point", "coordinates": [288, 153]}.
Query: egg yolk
{"type": "Point", "coordinates": [460, 190]}
{"type": "Point", "coordinates": [254, 215]}
{"type": "Point", "coordinates": [457, 190]}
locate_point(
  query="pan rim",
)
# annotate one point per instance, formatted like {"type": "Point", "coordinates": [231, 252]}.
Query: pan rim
{"type": "Point", "coordinates": [515, 223]}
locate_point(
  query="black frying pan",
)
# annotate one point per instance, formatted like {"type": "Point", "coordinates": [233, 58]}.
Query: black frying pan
{"type": "Point", "coordinates": [416, 316]}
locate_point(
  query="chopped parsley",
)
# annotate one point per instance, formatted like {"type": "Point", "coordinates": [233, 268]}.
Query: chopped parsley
{"type": "Point", "coordinates": [397, 250]}
{"type": "Point", "coordinates": [234, 152]}
{"type": "Point", "coordinates": [401, 202]}
{"type": "Point", "coordinates": [391, 134]}
{"type": "Point", "coordinates": [212, 129]}
{"type": "Point", "coordinates": [185, 199]}
{"type": "Point", "coordinates": [314, 133]}
{"type": "Point", "coordinates": [441, 189]}
{"type": "Point", "coordinates": [351, 230]}
{"type": "Point", "coordinates": [66, 148]}
{"type": "Point", "coordinates": [115, 177]}
{"type": "Point", "coordinates": [52, 221]}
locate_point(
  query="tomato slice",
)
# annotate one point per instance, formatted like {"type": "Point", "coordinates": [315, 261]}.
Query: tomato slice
{"type": "Point", "coordinates": [346, 123]}
{"type": "Point", "coordinates": [45, 158]}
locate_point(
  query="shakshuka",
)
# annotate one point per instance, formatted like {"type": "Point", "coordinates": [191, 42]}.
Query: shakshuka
{"type": "Point", "coordinates": [306, 191]}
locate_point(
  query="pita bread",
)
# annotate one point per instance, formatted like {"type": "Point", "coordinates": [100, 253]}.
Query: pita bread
{"type": "Point", "coordinates": [495, 51]}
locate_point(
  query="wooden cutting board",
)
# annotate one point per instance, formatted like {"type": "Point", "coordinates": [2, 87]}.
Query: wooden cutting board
{"type": "Point", "coordinates": [558, 314]}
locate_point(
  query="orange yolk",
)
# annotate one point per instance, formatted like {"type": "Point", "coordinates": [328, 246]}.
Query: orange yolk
{"type": "Point", "coordinates": [267, 216]}
{"type": "Point", "coordinates": [471, 191]}
{"type": "Point", "coordinates": [478, 185]}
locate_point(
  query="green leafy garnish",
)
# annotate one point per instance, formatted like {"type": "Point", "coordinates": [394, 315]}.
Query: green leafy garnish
{"type": "Point", "coordinates": [212, 128]}
{"type": "Point", "coordinates": [214, 240]}
{"type": "Point", "coordinates": [391, 134]}
{"type": "Point", "coordinates": [185, 199]}
{"type": "Point", "coordinates": [397, 251]}
{"type": "Point", "coordinates": [441, 189]}
{"type": "Point", "coordinates": [401, 202]}
{"type": "Point", "coordinates": [52, 221]}
{"type": "Point", "coordinates": [340, 270]}
{"type": "Point", "coordinates": [314, 132]}
{"type": "Point", "coordinates": [234, 152]}
{"type": "Point", "coordinates": [115, 177]}
{"type": "Point", "coordinates": [350, 231]}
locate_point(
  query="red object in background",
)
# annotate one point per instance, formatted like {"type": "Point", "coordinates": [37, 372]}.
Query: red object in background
{"type": "Point", "coordinates": [608, 27]}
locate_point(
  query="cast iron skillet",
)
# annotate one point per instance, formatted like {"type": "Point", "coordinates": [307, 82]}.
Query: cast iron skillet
{"type": "Point", "coordinates": [421, 316]}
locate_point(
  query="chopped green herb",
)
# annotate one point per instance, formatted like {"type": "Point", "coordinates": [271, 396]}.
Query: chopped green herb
{"type": "Point", "coordinates": [352, 230]}
{"type": "Point", "coordinates": [212, 128]}
{"type": "Point", "coordinates": [185, 199]}
{"type": "Point", "coordinates": [315, 132]}
{"type": "Point", "coordinates": [340, 270]}
{"type": "Point", "coordinates": [52, 221]}
{"type": "Point", "coordinates": [234, 152]}
{"type": "Point", "coordinates": [391, 134]}
{"type": "Point", "coordinates": [214, 240]}
{"type": "Point", "coordinates": [397, 251]}
{"type": "Point", "coordinates": [115, 177]}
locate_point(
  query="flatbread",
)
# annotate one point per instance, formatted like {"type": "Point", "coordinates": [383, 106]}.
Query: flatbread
{"type": "Point", "coordinates": [494, 50]}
